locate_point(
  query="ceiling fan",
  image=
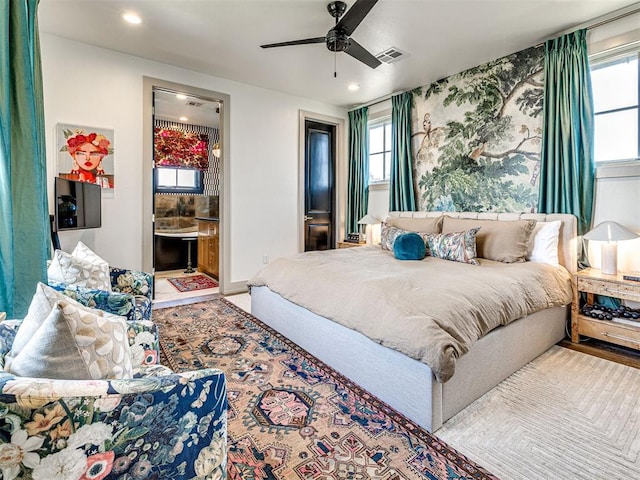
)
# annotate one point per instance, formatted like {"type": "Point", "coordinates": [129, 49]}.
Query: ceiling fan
{"type": "Point", "coordinates": [338, 39]}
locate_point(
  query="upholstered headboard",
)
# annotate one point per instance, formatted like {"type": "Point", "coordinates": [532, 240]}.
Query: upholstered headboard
{"type": "Point", "coordinates": [567, 243]}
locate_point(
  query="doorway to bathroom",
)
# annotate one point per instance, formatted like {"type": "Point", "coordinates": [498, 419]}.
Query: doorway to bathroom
{"type": "Point", "coordinates": [186, 186]}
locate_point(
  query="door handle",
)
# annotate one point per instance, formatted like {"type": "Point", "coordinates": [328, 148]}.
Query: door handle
{"type": "Point", "coordinates": [307, 217]}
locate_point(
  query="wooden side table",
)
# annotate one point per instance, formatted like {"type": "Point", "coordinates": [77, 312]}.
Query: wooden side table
{"type": "Point", "coordinates": [350, 244]}
{"type": "Point", "coordinates": [625, 332]}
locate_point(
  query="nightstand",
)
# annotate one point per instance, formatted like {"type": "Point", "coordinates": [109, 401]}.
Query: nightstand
{"type": "Point", "coordinates": [625, 332]}
{"type": "Point", "coordinates": [350, 244]}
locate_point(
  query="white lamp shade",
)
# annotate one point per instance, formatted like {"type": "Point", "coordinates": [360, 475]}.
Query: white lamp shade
{"type": "Point", "coordinates": [368, 220]}
{"type": "Point", "coordinates": [610, 232]}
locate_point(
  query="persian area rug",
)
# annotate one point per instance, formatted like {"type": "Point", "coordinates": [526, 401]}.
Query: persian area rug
{"type": "Point", "coordinates": [291, 416]}
{"type": "Point", "coordinates": [194, 282]}
{"type": "Point", "coordinates": [564, 415]}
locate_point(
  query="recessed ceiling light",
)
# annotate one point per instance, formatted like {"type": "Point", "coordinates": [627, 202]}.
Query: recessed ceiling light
{"type": "Point", "coordinates": [132, 18]}
{"type": "Point", "coordinates": [353, 87]}
{"type": "Point", "coordinates": [183, 119]}
{"type": "Point", "coordinates": [181, 96]}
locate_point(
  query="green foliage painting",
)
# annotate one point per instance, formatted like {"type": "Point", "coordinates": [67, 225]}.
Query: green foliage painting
{"type": "Point", "coordinates": [476, 137]}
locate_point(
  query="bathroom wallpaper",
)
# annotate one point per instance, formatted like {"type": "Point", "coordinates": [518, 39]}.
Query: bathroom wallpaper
{"type": "Point", "coordinates": [211, 175]}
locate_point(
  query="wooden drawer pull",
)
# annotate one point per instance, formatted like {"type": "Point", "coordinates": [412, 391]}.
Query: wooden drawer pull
{"type": "Point", "coordinates": [620, 337]}
{"type": "Point", "coordinates": [623, 292]}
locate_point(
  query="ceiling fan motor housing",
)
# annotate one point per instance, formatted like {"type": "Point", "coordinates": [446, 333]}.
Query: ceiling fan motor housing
{"type": "Point", "coordinates": [337, 41]}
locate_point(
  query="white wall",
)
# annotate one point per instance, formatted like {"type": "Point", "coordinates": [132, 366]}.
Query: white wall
{"type": "Point", "coordinates": [86, 85]}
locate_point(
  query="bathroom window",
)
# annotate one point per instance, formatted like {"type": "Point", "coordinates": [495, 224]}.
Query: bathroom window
{"type": "Point", "coordinates": [178, 180]}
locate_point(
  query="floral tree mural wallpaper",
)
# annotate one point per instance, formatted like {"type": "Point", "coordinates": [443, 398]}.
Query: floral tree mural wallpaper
{"type": "Point", "coordinates": [477, 137]}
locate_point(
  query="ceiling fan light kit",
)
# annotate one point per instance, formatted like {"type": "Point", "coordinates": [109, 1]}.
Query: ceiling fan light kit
{"type": "Point", "coordinates": [338, 38]}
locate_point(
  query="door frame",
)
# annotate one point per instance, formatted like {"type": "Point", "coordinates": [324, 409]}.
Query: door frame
{"type": "Point", "coordinates": [149, 83]}
{"type": "Point", "coordinates": [340, 173]}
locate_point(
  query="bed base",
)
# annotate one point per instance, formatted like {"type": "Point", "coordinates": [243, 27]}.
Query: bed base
{"type": "Point", "coordinates": [405, 384]}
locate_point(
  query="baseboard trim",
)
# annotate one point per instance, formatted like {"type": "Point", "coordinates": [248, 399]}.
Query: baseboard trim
{"type": "Point", "coordinates": [234, 287]}
{"type": "Point", "coordinates": [183, 301]}
{"type": "Point", "coordinates": [608, 351]}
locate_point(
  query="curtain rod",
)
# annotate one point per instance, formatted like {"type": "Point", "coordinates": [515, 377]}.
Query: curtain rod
{"type": "Point", "coordinates": [597, 24]}
{"type": "Point", "coordinates": [378, 100]}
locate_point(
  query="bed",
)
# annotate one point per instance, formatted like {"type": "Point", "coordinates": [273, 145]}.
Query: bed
{"type": "Point", "coordinates": [408, 384]}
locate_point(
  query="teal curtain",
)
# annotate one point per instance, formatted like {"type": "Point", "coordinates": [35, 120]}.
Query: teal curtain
{"type": "Point", "coordinates": [24, 224]}
{"type": "Point", "coordinates": [401, 190]}
{"type": "Point", "coordinates": [358, 177]}
{"type": "Point", "coordinates": [567, 171]}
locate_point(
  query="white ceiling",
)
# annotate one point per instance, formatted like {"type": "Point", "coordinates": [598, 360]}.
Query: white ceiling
{"type": "Point", "coordinates": [190, 110]}
{"type": "Point", "coordinates": [222, 38]}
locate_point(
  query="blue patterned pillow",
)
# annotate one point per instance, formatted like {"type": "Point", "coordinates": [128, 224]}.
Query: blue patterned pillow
{"type": "Point", "coordinates": [409, 246]}
{"type": "Point", "coordinates": [457, 246]}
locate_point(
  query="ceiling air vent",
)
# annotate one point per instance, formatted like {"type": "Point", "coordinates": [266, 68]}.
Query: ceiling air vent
{"type": "Point", "coordinates": [193, 103]}
{"type": "Point", "coordinates": [390, 55]}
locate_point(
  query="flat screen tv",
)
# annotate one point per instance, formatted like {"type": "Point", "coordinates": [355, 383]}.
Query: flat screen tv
{"type": "Point", "coordinates": [78, 204]}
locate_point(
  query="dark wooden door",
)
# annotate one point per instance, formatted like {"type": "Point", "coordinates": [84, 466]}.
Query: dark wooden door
{"type": "Point", "coordinates": [319, 198]}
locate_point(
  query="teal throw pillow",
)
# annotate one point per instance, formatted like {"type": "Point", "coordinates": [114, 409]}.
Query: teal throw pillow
{"type": "Point", "coordinates": [409, 246]}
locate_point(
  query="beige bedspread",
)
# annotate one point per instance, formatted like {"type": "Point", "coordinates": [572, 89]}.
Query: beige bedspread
{"type": "Point", "coordinates": [431, 310]}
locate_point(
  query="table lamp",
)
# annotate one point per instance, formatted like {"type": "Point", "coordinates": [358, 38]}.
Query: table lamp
{"type": "Point", "coordinates": [609, 233]}
{"type": "Point", "coordinates": [369, 221]}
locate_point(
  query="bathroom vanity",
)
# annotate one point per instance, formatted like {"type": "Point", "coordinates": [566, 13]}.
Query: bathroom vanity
{"type": "Point", "coordinates": [209, 245]}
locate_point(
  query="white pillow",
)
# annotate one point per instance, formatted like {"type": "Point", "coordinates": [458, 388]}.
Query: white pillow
{"type": "Point", "coordinates": [85, 253]}
{"type": "Point", "coordinates": [82, 268]}
{"type": "Point", "coordinates": [43, 301]}
{"type": "Point", "coordinates": [74, 344]}
{"type": "Point", "coordinates": [543, 246]}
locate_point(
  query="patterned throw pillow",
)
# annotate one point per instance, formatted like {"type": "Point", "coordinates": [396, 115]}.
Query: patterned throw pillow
{"type": "Point", "coordinates": [457, 246]}
{"type": "Point", "coordinates": [85, 253]}
{"type": "Point", "coordinates": [389, 234]}
{"type": "Point", "coordinates": [43, 301]}
{"type": "Point", "coordinates": [74, 344]}
{"type": "Point", "coordinates": [82, 271]}
{"type": "Point", "coordinates": [499, 240]}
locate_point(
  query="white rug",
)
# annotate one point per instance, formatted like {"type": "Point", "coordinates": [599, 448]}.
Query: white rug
{"type": "Point", "coordinates": [566, 415]}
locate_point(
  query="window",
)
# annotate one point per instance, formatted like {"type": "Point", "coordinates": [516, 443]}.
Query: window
{"type": "Point", "coordinates": [616, 88]}
{"type": "Point", "coordinates": [178, 180]}
{"type": "Point", "coordinates": [379, 150]}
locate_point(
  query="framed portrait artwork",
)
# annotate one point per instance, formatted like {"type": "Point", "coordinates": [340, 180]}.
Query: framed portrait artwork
{"type": "Point", "coordinates": [86, 154]}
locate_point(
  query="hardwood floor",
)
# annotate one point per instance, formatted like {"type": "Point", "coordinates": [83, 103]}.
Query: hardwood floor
{"type": "Point", "coordinates": [608, 351]}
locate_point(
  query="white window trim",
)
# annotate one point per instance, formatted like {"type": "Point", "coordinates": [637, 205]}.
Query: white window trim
{"type": "Point", "coordinates": [373, 120]}
{"type": "Point", "coordinates": [613, 169]}
{"type": "Point", "coordinates": [624, 167]}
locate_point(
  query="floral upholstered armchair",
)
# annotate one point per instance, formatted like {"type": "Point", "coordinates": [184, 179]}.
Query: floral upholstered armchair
{"type": "Point", "coordinates": [130, 295]}
{"type": "Point", "coordinates": [157, 425]}
{"type": "Point", "coordinates": [130, 298]}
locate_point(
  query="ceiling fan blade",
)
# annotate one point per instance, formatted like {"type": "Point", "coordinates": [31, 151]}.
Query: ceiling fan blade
{"type": "Point", "coordinates": [358, 52]}
{"type": "Point", "coordinates": [296, 42]}
{"type": "Point", "coordinates": [354, 16]}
